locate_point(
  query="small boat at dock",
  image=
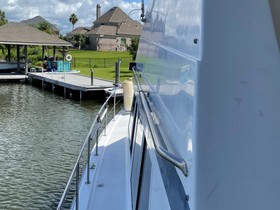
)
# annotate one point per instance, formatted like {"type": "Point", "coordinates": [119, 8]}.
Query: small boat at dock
{"type": "Point", "coordinates": [9, 66]}
{"type": "Point", "coordinates": [109, 91]}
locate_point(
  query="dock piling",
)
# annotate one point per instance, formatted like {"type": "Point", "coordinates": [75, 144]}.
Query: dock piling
{"type": "Point", "coordinates": [91, 76]}
{"type": "Point", "coordinates": [117, 71]}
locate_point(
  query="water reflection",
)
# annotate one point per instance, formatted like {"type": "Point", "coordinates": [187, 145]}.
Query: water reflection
{"type": "Point", "coordinates": [40, 137]}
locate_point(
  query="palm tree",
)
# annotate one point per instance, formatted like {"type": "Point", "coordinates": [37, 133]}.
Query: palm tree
{"type": "Point", "coordinates": [73, 19]}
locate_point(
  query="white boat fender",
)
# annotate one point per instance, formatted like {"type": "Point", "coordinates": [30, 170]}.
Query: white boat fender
{"type": "Point", "coordinates": [128, 93]}
{"type": "Point", "coordinates": [68, 57]}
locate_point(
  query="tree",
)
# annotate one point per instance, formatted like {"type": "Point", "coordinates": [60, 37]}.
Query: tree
{"type": "Point", "coordinates": [133, 47]}
{"type": "Point", "coordinates": [63, 37]}
{"type": "Point", "coordinates": [3, 19]}
{"type": "Point", "coordinates": [73, 19]}
{"type": "Point", "coordinates": [2, 48]}
{"type": "Point", "coordinates": [80, 40]}
{"type": "Point", "coordinates": [46, 27]}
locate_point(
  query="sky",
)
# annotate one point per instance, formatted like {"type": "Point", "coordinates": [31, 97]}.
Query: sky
{"type": "Point", "coordinates": [58, 11]}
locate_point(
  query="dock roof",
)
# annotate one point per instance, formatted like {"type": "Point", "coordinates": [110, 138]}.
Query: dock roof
{"type": "Point", "coordinates": [23, 34]}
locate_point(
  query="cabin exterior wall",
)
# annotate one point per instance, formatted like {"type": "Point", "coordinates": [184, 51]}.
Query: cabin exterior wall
{"type": "Point", "coordinates": [215, 82]}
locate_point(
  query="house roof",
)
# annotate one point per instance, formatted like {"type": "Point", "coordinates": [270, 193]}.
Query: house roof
{"type": "Point", "coordinates": [115, 22]}
{"type": "Point", "coordinates": [114, 15]}
{"type": "Point", "coordinates": [79, 30]}
{"type": "Point", "coordinates": [130, 28]}
{"type": "Point", "coordinates": [103, 30]}
{"type": "Point", "coordinates": [23, 34]}
{"type": "Point", "coordinates": [38, 19]}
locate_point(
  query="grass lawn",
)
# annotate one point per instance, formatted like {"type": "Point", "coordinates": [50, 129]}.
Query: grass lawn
{"type": "Point", "coordinates": [103, 63]}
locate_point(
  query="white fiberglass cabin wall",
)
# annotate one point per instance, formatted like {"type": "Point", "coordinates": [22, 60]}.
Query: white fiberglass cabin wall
{"type": "Point", "coordinates": [212, 70]}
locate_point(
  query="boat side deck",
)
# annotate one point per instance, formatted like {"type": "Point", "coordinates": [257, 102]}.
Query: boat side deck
{"type": "Point", "coordinates": [110, 178]}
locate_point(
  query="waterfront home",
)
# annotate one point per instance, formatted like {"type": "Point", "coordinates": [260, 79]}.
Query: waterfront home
{"type": "Point", "coordinates": [111, 31]}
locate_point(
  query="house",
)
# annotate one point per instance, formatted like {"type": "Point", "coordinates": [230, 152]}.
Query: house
{"type": "Point", "coordinates": [38, 19]}
{"type": "Point", "coordinates": [77, 31]}
{"type": "Point", "coordinates": [112, 31]}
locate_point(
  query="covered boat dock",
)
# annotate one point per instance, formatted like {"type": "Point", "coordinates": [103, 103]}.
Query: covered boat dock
{"type": "Point", "coordinates": [69, 84]}
{"type": "Point", "coordinates": [23, 35]}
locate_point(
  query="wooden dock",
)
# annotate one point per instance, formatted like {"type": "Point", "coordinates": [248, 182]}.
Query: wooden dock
{"type": "Point", "coordinates": [71, 85]}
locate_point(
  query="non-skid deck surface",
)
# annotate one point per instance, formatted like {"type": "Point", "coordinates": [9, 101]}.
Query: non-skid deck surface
{"type": "Point", "coordinates": [110, 182]}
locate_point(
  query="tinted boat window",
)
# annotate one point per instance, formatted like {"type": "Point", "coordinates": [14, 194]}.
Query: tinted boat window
{"type": "Point", "coordinates": [275, 8]}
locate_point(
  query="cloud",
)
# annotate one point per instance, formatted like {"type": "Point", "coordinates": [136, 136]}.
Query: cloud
{"type": "Point", "coordinates": [58, 11]}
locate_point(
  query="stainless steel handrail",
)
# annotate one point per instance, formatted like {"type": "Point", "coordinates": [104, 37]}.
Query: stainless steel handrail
{"type": "Point", "coordinates": [93, 131]}
{"type": "Point", "coordinates": [165, 154]}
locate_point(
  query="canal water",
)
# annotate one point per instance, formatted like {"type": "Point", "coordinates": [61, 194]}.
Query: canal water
{"type": "Point", "coordinates": [40, 137]}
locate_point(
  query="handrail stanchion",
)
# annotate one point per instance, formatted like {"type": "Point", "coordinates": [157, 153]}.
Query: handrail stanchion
{"type": "Point", "coordinates": [97, 133]}
{"type": "Point", "coordinates": [114, 105]}
{"type": "Point", "coordinates": [77, 187]}
{"type": "Point", "coordinates": [106, 120]}
{"type": "Point", "coordinates": [88, 161]}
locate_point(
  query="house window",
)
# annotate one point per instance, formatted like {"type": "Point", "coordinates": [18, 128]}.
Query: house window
{"type": "Point", "coordinates": [123, 41]}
